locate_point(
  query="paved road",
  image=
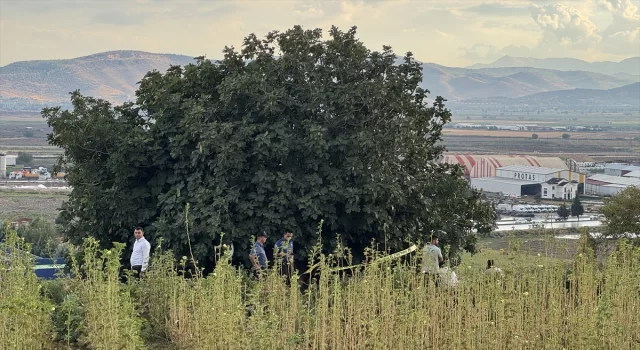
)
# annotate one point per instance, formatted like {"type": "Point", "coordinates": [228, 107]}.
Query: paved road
{"type": "Point", "coordinates": [506, 224]}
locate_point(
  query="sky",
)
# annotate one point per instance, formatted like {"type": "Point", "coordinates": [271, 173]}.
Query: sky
{"type": "Point", "coordinates": [451, 33]}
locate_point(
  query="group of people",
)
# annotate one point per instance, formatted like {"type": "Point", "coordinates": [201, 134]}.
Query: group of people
{"type": "Point", "coordinates": [282, 255]}
{"type": "Point", "coordinates": [434, 265]}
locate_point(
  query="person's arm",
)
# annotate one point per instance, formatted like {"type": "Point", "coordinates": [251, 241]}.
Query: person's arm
{"type": "Point", "coordinates": [440, 258]}
{"type": "Point", "coordinates": [291, 253]}
{"type": "Point", "coordinates": [254, 259]}
{"type": "Point", "coordinates": [146, 249]}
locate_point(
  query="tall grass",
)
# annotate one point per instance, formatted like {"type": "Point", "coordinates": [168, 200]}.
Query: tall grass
{"type": "Point", "coordinates": [386, 304]}
{"type": "Point", "coordinates": [25, 321]}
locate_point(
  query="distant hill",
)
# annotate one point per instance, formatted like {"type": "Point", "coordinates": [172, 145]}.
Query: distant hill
{"type": "Point", "coordinates": [463, 83]}
{"type": "Point", "coordinates": [627, 96]}
{"type": "Point", "coordinates": [629, 66]}
{"type": "Point", "coordinates": [32, 85]}
{"type": "Point", "coordinates": [110, 75]}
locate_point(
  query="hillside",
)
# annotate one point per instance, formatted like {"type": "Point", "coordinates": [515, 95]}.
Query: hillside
{"type": "Point", "coordinates": [111, 75]}
{"type": "Point", "coordinates": [463, 83]}
{"type": "Point", "coordinates": [627, 97]}
{"type": "Point", "coordinates": [32, 85]}
{"type": "Point", "coordinates": [630, 66]}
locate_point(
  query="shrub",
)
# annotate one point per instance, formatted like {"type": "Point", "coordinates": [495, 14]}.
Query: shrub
{"type": "Point", "coordinates": [25, 321]}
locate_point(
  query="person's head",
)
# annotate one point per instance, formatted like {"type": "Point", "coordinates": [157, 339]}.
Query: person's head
{"type": "Point", "coordinates": [434, 239]}
{"type": "Point", "coordinates": [287, 235]}
{"type": "Point", "coordinates": [262, 237]}
{"type": "Point", "coordinates": [489, 264]}
{"type": "Point", "coordinates": [138, 232]}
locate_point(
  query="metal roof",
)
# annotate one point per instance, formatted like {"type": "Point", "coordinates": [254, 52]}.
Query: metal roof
{"type": "Point", "coordinates": [505, 180]}
{"type": "Point", "coordinates": [620, 166]}
{"type": "Point", "coordinates": [635, 173]}
{"type": "Point", "coordinates": [616, 180]}
{"type": "Point", "coordinates": [531, 169]}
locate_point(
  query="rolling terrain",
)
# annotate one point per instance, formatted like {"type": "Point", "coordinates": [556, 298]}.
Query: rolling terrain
{"type": "Point", "coordinates": [627, 96]}
{"type": "Point", "coordinates": [31, 85]}
{"type": "Point", "coordinates": [462, 84]}
{"type": "Point", "coordinates": [630, 66]}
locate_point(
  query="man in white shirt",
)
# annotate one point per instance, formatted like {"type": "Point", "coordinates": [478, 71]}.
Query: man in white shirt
{"type": "Point", "coordinates": [140, 255]}
{"type": "Point", "coordinates": [432, 256]}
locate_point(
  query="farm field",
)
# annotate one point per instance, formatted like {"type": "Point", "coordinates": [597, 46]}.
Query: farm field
{"type": "Point", "coordinates": [30, 204]}
{"type": "Point", "coordinates": [546, 134]}
{"type": "Point", "coordinates": [610, 148]}
{"type": "Point", "coordinates": [536, 302]}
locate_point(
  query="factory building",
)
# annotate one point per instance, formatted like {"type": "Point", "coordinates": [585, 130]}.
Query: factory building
{"type": "Point", "coordinates": [519, 180]}
{"type": "Point", "coordinates": [617, 169]}
{"type": "Point", "coordinates": [609, 185]}
{"type": "Point", "coordinates": [635, 174]}
{"type": "Point", "coordinates": [479, 166]}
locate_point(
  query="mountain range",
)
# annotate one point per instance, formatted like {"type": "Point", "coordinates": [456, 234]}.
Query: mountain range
{"type": "Point", "coordinates": [625, 68]}
{"type": "Point", "coordinates": [31, 85]}
{"type": "Point", "coordinates": [625, 96]}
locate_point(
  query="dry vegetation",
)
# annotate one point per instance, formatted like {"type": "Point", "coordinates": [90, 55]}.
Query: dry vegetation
{"type": "Point", "coordinates": [17, 204]}
{"type": "Point", "coordinates": [537, 303]}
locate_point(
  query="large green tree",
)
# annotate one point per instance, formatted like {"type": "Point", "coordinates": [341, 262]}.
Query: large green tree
{"type": "Point", "coordinates": [288, 131]}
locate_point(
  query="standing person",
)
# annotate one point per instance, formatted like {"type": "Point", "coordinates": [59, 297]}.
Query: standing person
{"type": "Point", "coordinates": [140, 255]}
{"type": "Point", "coordinates": [258, 256]}
{"type": "Point", "coordinates": [283, 254]}
{"type": "Point", "coordinates": [432, 257]}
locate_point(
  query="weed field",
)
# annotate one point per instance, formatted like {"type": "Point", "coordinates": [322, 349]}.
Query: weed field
{"type": "Point", "coordinates": [535, 302]}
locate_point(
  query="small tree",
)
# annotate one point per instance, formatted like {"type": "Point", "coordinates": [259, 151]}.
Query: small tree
{"type": "Point", "coordinates": [565, 136]}
{"type": "Point", "coordinates": [42, 236]}
{"type": "Point", "coordinates": [24, 158]}
{"type": "Point", "coordinates": [622, 213]}
{"type": "Point", "coordinates": [563, 212]}
{"type": "Point", "coordinates": [534, 136]}
{"type": "Point", "coordinates": [576, 208]}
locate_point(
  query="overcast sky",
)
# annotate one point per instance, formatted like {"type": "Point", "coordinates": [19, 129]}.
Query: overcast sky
{"type": "Point", "coordinates": [453, 33]}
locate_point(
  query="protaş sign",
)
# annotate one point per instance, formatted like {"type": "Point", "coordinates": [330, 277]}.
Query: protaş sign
{"type": "Point", "coordinates": [525, 176]}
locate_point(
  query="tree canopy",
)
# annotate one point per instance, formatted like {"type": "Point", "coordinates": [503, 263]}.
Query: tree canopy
{"type": "Point", "coordinates": [290, 130]}
{"type": "Point", "coordinates": [563, 211]}
{"type": "Point", "coordinates": [622, 213]}
{"type": "Point", "coordinates": [576, 207]}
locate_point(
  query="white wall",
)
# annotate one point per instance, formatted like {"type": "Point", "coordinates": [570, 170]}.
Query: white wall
{"type": "Point", "coordinates": [488, 185]}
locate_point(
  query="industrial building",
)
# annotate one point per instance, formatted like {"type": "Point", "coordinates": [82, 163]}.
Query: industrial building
{"type": "Point", "coordinates": [609, 185]}
{"type": "Point", "coordinates": [519, 180]}
{"type": "Point", "coordinates": [618, 169]}
{"type": "Point", "coordinates": [479, 166]}
{"type": "Point", "coordinates": [635, 173]}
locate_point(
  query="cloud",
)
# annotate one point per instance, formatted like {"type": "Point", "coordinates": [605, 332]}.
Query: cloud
{"type": "Point", "coordinates": [565, 24]}
{"type": "Point", "coordinates": [623, 35]}
{"type": "Point", "coordinates": [498, 10]}
{"type": "Point", "coordinates": [621, 8]}
{"type": "Point", "coordinates": [118, 18]}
